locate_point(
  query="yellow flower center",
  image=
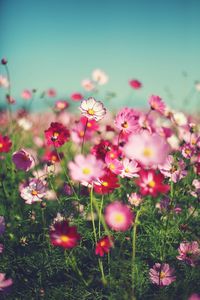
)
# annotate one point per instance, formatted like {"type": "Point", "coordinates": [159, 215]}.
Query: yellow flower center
{"type": "Point", "coordinates": [61, 105]}
{"type": "Point", "coordinates": [104, 183]}
{"type": "Point", "coordinates": [147, 152]}
{"type": "Point", "coordinates": [112, 166]}
{"type": "Point", "coordinates": [90, 111]}
{"type": "Point", "coordinates": [162, 275]}
{"type": "Point", "coordinates": [119, 218]}
{"type": "Point", "coordinates": [126, 170]}
{"type": "Point", "coordinates": [54, 158]}
{"type": "Point", "coordinates": [188, 151]}
{"type": "Point", "coordinates": [34, 192]}
{"type": "Point", "coordinates": [151, 183]}
{"type": "Point", "coordinates": [1, 145]}
{"type": "Point", "coordinates": [102, 243]}
{"type": "Point", "coordinates": [81, 133]}
{"type": "Point", "coordinates": [55, 135]}
{"type": "Point", "coordinates": [125, 125]}
{"type": "Point", "coordinates": [89, 124]}
{"type": "Point", "coordinates": [86, 171]}
{"type": "Point", "coordinates": [64, 238]}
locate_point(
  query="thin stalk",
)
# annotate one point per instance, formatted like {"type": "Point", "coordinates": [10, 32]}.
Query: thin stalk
{"type": "Point", "coordinates": [134, 251]}
{"type": "Point", "coordinates": [82, 146]}
{"type": "Point", "coordinates": [100, 216]}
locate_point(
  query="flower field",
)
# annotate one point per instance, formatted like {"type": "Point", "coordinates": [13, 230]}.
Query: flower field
{"type": "Point", "coordinates": [96, 204]}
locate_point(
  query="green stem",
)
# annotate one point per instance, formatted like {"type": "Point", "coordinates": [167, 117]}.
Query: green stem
{"type": "Point", "coordinates": [82, 146]}
{"type": "Point", "coordinates": [92, 214]}
{"type": "Point", "coordinates": [134, 250]}
{"type": "Point", "coordinates": [100, 216]}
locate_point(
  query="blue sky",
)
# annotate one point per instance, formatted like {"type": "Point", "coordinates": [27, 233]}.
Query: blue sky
{"type": "Point", "coordinates": [58, 43]}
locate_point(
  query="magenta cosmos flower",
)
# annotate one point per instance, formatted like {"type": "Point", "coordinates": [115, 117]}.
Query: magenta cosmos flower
{"type": "Point", "coordinates": [86, 168]}
{"type": "Point", "coordinates": [127, 121]}
{"type": "Point", "coordinates": [23, 160]}
{"type": "Point", "coordinates": [4, 283]}
{"type": "Point", "coordinates": [148, 149]}
{"type": "Point", "coordinates": [92, 109]}
{"type": "Point", "coordinates": [57, 134]}
{"type": "Point", "coordinates": [135, 84]}
{"type": "Point", "coordinates": [162, 274]}
{"type": "Point", "coordinates": [34, 192]}
{"type": "Point", "coordinates": [118, 216]}
{"type": "Point", "coordinates": [157, 104]}
{"type": "Point", "coordinates": [189, 252]}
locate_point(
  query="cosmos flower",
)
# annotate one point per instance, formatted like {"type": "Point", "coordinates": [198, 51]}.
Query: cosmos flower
{"type": "Point", "coordinates": [52, 156]}
{"type": "Point", "coordinates": [151, 183]}
{"type": "Point", "coordinates": [187, 150]}
{"type": "Point", "coordinates": [130, 168]}
{"type": "Point", "coordinates": [92, 125]}
{"type": "Point", "coordinates": [189, 252]}
{"type": "Point", "coordinates": [23, 160]}
{"type": "Point", "coordinates": [57, 134]}
{"type": "Point", "coordinates": [51, 93]}
{"type": "Point", "coordinates": [106, 184]}
{"type": "Point", "coordinates": [135, 84]}
{"type": "Point", "coordinates": [76, 97]}
{"type": "Point", "coordinates": [63, 235]}
{"type": "Point", "coordinates": [34, 191]}
{"type": "Point", "coordinates": [194, 296]}
{"type": "Point", "coordinates": [4, 82]}
{"type": "Point", "coordinates": [135, 199]}
{"type": "Point", "coordinates": [101, 149]}
{"type": "Point", "coordinates": [4, 283]}
{"type": "Point", "coordinates": [162, 274]}
{"type": "Point", "coordinates": [78, 132]}
{"type": "Point", "coordinates": [126, 121]}
{"type": "Point", "coordinates": [85, 168]}
{"type": "Point", "coordinates": [92, 109]}
{"type": "Point", "coordinates": [118, 216]}
{"type": "Point", "coordinates": [5, 144]}
{"type": "Point", "coordinates": [172, 169]}
{"type": "Point", "coordinates": [26, 95]}
{"type": "Point", "coordinates": [60, 105]}
{"type": "Point", "coordinates": [99, 77]}
{"type": "Point", "coordinates": [157, 104]}
{"type": "Point", "coordinates": [148, 149]}
{"type": "Point", "coordinates": [103, 245]}
{"type": "Point", "coordinates": [88, 85]}
{"type": "Point", "coordinates": [1, 248]}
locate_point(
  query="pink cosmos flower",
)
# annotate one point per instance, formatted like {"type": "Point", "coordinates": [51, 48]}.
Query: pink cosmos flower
{"type": "Point", "coordinates": [88, 85]}
{"type": "Point", "coordinates": [34, 192]}
{"type": "Point", "coordinates": [172, 169]}
{"type": "Point", "coordinates": [187, 150]}
{"type": "Point", "coordinates": [135, 199]}
{"type": "Point", "coordinates": [4, 283]}
{"type": "Point", "coordinates": [51, 93]}
{"type": "Point", "coordinates": [148, 149]}
{"type": "Point", "coordinates": [76, 97]}
{"type": "Point", "coordinates": [130, 168]}
{"type": "Point", "coordinates": [194, 296]}
{"type": "Point", "coordinates": [92, 109]}
{"type": "Point", "coordinates": [2, 225]}
{"type": "Point", "coordinates": [189, 252]}
{"type": "Point", "coordinates": [157, 104]}
{"type": "Point", "coordinates": [135, 84]}
{"type": "Point", "coordinates": [61, 105]}
{"type": "Point", "coordinates": [23, 160]}
{"type": "Point", "coordinates": [78, 132]}
{"type": "Point", "coordinates": [126, 121]}
{"type": "Point", "coordinates": [86, 168]}
{"type": "Point", "coordinates": [26, 95]}
{"type": "Point", "coordinates": [118, 216]}
{"type": "Point", "coordinates": [196, 187]}
{"type": "Point", "coordinates": [162, 274]}
{"type": "Point", "coordinates": [4, 82]}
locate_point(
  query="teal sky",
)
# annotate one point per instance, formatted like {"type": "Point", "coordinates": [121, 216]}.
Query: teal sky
{"type": "Point", "coordinates": [58, 43]}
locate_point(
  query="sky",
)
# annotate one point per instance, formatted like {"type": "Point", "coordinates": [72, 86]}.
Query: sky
{"type": "Point", "coordinates": [59, 43]}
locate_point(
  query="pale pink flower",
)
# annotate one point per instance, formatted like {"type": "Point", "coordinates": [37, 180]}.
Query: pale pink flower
{"type": "Point", "coordinates": [130, 168]}
{"type": "Point", "coordinates": [4, 283]}
{"type": "Point", "coordinates": [51, 93]}
{"type": "Point", "coordinates": [196, 186]}
{"type": "Point", "coordinates": [99, 77]}
{"type": "Point", "coordinates": [135, 199]}
{"type": "Point", "coordinates": [157, 104]}
{"type": "Point", "coordinates": [127, 120]}
{"type": "Point", "coordinates": [162, 274]}
{"type": "Point", "coordinates": [26, 95]}
{"type": "Point", "coordinates": [148, 149]}
{"type": "Point", "coordinates": [23, 160]}
{"type": "Point", "coordinates": [92, 109]}
{"type": "Point", "coordinates": [4, 82]}
{"type": "Point", "coordinates": [86, 168]}
{"type": "Point", "coordinates": [88, 85]}
{"type": "Point", "coordinates": [174, 170]}
{"type": "Point", "coordinates": [189, 252]}
{"type": "Point", "coordinates": [34, 191]}
{"type": "Point", "coordinates": [114, 165]}
{"type": "Point", "coordinates": [118, 216]}
{"type": "Point", "coordinates": [187, 150]}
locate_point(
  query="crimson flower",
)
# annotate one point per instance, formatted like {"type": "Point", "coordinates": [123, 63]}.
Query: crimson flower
{"type": "Point", "coordinates": [57, 134]}
{"type": "Point", "coordinates": [103, 245]}
{"type": "Point", "coordinates": [135, 84]}
{"type": "Point", "coordinates": [52, 156]}
{"type": "Point", "coordinates": [151, 183]}
{"type": "Point", "coordinates": [5, 143]}
{"type": "Point", "coordinates": [106, 184]}
{"type": "Point", "coordinates": [63, 235]}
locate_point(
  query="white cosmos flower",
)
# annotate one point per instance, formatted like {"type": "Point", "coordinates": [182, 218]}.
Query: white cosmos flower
{"type": "Point", "coordinates": [88, 85]}
{"type": "Point", "coordinates": [100, 77]}
{"type": "Point", "coordinates": [92, 109]}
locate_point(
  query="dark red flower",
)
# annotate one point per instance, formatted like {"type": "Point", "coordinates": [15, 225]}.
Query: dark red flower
{"type": "Point", "coordinates": [5, 143]}
{"type": "Point", "coordinates": [135, 84]}
{"type": "Point", "coordinates": [63, 235]}
{"type": "Point", "coordinates": [151, 183]}
{"type": "Point", "coordinates": [57, 134]}
{"type": "Point", "coordinates": [52, 156]}
{"type": "Point", "coordinates": [76, 97]}
{"type": "Point", "coordinates": [106, 184]}
{"type": "Point", "coordinates": [103, 245]}
{"type": "Point", "coordinates": [101, 149]}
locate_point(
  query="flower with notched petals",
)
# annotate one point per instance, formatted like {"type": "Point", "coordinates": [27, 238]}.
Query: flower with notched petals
{"type": "Point", "coordinates": [57, 134]}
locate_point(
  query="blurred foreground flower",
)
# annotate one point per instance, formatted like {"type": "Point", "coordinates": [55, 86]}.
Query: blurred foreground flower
{"type": "Point", "coordinates": [23, 160]}
{"type": "Point", "coordinates": [4, 283]}
{"type": "Point", "coordinates": [5, 143]}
